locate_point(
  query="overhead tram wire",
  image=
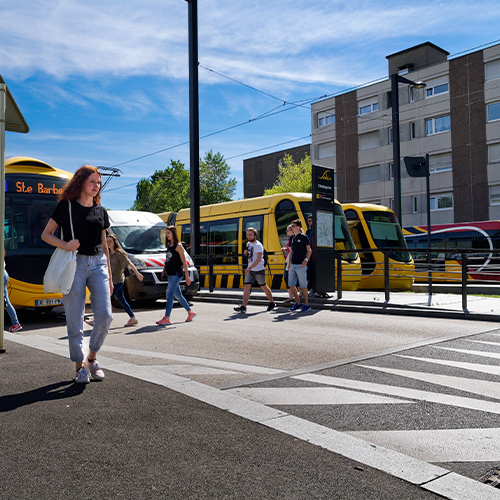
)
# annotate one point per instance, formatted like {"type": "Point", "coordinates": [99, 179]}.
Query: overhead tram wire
{"type": "Point", "coordinates": [294, 105]}
{"type": "Point", "coordinates": [269, 147]}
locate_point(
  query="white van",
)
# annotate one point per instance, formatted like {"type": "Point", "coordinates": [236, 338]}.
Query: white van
{"type": "Point", "coordinates": [142, 237]}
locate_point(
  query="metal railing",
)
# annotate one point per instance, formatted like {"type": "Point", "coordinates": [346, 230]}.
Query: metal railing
{"type": "Point", "coordinates": [454, 267]}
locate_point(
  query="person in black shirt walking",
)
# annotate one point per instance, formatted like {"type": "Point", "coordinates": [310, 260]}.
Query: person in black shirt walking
{"type": "Point", "coordinates": [82, 196]}
{"type": "Point", "coordinates": [300, 255]}
{"type": "Point", "coordinates": [175, 267]}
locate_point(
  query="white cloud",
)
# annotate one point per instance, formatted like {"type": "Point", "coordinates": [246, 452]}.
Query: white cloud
{"type": "Point", "coordinates": [259, 41]}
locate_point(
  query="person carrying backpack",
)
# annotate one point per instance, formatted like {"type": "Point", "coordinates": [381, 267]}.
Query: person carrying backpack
{"type": "Point", "coordinates": [256, 271]}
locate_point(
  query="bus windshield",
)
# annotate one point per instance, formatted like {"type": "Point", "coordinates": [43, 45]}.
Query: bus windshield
{"type": "Point", "coordinates": [386, 233]}
{"type": "Point", "coordinates": [30, 201]}
{"type": "Point", "coordinates": [141, 239]}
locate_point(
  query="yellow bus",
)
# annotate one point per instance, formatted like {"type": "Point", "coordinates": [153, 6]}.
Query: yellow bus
{"type": "Point", "coordinates": [375, 227]}
{"type": "Point", "coordinates": [31, 190]}
{"type": "Point", "coordinates": [223, 235]}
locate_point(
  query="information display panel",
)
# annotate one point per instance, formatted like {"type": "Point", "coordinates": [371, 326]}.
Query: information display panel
{"type": "Point", "coordinates": [323, 244]}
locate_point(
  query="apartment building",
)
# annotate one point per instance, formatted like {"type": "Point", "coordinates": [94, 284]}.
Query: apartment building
{"type": "Point", "coordinates": [260, 172]}
{"type": "Point", "coordinates": [455, 119]}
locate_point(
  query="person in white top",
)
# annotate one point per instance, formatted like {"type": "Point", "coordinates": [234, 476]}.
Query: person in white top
{"type": "Point", "coordinates": [255, 271]}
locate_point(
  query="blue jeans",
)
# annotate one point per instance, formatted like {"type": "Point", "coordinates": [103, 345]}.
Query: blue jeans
{"type": "Point", "coordinates": [120, 297]}
{"type": "Point", "coordinates": [91, 272]}
{"type": "Point", "coordinates": [297, 273]}
{"type": "Point", "coordinates": [174, 290]}
{"type": "Point", "coordinates": [8, 306]}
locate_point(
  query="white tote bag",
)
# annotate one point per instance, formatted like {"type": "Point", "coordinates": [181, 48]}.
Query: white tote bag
{"type": "Point", "coordinates": [62, 266]}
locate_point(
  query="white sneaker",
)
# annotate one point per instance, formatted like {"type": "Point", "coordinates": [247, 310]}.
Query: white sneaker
{"type": "Point", "coordinates": [82, 376]}
{"type": "Point", "coordinates": [95, 370]}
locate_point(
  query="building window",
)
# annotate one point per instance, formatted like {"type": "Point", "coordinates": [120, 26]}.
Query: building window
{"type": "Point", "coordinates": [369, 140]}
{"type": "Point", "coordinates": [368, 175]}
{"type": "Point", "coordinates": [414, 204]}
{"type": "Point", "coordinates": [442, 202]}
{"type": "Point", "coordinates": [390, 136]}
{"type": "Point", "coordinates": [413, 130]}
{"type": "Point", "coordinates": [492, 70]}
{"type": "Point", "coordinates": [440, 163]}
{"type": "Point", "coordinates": [326, 150]}
{"type": "Point", "coordinates": [494, 153]}
{"type": "Point", "coordinates": [389, 100]}
{"type": "Point", "coordinates": [370, 108]}
{"type": "Point", "coordinates": [391, 171]}
{"type": "Point", "coordinates": [391, 204]}
{"type": "Point", "coordinates": [438, 125]}
{"type": "Point", "coordinates": [368, 105]}
{"type": "Point", "coordinates": [494, 195]}
{"type": "Point", "coordinates": [438, 89]}
{"type": "Point", "coordinates": [494, 111]}
{"type": "Point", "coordinates": [326, 118]}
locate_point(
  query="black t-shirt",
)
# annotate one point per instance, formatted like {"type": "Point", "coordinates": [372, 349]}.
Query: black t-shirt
{"type": "Point", "coordinates": [88, 224]}
{"type": "Point", "coordinates": [299, 248]}
{"type": "Point", "coordinates": [173, 262]}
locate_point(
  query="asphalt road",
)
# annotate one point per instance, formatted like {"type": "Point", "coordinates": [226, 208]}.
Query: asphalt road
{"type": "Point", "coordinates": [422, 387]}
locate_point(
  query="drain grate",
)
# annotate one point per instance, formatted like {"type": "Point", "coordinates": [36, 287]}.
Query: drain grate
{"type": "Point", "coordinates": [491, 478]}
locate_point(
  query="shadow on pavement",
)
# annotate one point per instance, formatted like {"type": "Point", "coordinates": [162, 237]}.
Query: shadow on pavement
{"type": "Point", "coordinates": [51, 392]}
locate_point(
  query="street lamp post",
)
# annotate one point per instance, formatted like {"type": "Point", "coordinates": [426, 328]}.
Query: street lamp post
{"type": "Point", "coordinates": [396, 143]}
{"type": "Point", "coordinates": [194, 135]}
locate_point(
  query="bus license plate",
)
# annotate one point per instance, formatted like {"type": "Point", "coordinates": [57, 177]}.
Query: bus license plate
{"type": "Point", "coordinates": [48, 302]}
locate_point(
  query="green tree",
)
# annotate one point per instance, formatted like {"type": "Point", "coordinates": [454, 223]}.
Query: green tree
{"type": "Point", "coordinates": [215, 184]}
{"type": "Point", "coordinates": [293, 177]}
{"type": "Point", "coordinates": [165, 191]}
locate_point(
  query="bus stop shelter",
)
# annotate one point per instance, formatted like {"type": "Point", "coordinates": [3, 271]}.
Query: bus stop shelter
{"type": "Point", "coordinates": [11, 120]}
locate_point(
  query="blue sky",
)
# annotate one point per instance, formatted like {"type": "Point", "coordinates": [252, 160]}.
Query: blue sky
{"type": "Point", "coordinates": [107, 82]}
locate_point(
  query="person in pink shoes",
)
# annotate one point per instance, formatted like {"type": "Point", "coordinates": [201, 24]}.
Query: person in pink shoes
{"type": "Point", "coordinates": [175, 267]}
{"type": "Point", "coordinates": [119, 262]}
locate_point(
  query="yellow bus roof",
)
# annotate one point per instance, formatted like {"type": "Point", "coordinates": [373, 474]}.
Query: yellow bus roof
{"type": "Point", "coordinates": [247, 205]}
{"type": "Point", "coordinates": [27, 165]}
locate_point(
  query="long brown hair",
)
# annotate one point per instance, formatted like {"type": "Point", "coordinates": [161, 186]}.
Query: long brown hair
{"type": "Point", "coordinates": [174, 236]}
{"type": "Point", "coordinates": [73, 188]}
{"type": "Point", "coordinates": [118, 248]}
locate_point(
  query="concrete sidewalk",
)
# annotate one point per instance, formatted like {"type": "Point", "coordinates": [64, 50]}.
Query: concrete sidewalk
{"type": "Point", "coordinates": [132, 439]}
{"type": "Point", "coordinates": [440, 305]}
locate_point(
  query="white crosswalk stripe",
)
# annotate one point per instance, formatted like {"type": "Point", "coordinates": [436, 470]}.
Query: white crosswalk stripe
{"type": "Point", "coordinates": [474, 386]}
{"type": "Point", "coordinates": [490, 369]}
{"type": "Point", "coordinates": [311, 396]}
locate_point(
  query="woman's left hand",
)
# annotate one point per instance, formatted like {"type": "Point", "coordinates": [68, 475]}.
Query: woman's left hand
{"type": "Point", "coordinates": [140, 277]}
{"type": "Point", "coordinates": [188, 280]}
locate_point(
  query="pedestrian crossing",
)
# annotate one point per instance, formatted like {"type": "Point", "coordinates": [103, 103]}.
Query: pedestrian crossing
{"type": "Point", "coordinates": [450, 393]}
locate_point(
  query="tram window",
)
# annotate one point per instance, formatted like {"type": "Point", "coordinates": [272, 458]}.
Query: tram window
{"type": "Point", "coordinates": [224, 241]}
{"type": "Point", "coordinates": [306, 208]}
{"type": "Point", "coordinates": [255, 221]}
{"type": "Point", "coordinates": [203, 238]}
{"type": "Point", "coordinates": [186, 238]}
{"type": "Point", "coordinates": [284, 214]}
{"type": "Point", "coordinates": [285, 206]}
{"type": "Point", "coordinates": [351, 214]}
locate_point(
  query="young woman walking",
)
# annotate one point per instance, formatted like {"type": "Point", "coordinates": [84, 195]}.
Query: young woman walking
{"type": "Point", "coordinates": [175, 268]}
{"type": "Point", "coordinates": [119, 262]}
{"type": "Point", "coordinates": [82, 196]}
